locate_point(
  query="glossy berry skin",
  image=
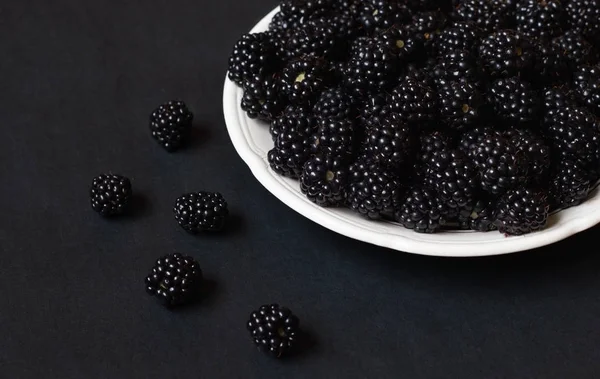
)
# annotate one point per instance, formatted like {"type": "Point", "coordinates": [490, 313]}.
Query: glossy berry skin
{"type": "Point", "coordinates": [587, 86]}
{"type": "Point", "coordinates": [253, 54]}
{"type": "Point", "coordinates": [414, 102]}
{"type": "Point", "coordinates": [110, 194]}
{"type": "Point", "coordinates": [274, 329]}
{"type": "Point", "coordinates": [303, 80]}
{"type": "Point", "coordinates": [262, 98]}
{"type": "Point", "coordinates": [461, 104]}
{"type": "Point", "coordinates": [583, 17]}
{"type": "Point", "coordinates": [576, 48]}
{"type": "Point", "coordinates": [522, 211]}
{"type": "Point", "coordinates": [570, 184]}
{"type": "Point", "coordinates": [371, 68]}
{"type": "Point", "coordinates": [335, 104]}
{"type": "Point", "coordinates": [389, 142]}
{"type": "Point", "coordinates": [324, 178]}
{"type": "Point", "coordinates": [514, 100]}
{"type": "Point", "coordinates": [174, 280]}
{"type": "Point", "coordinates": [201, 211]}
{"type": "Point", "coordinates": [421, 211]}
{"type": "Point", "coordinates": [540, 18]}
{"type": "Point", "coordinates": [170, 124]}
{"type": "Point", "coordinates": [373, 191]}
{"type": "Point", "coordinates": [506, 53]}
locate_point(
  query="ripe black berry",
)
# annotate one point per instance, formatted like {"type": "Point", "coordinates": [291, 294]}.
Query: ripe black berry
{"type": "Point", "coordinates": [587, 86]}
{"type": "Point", "coordinates": [584, 16]}
{"type": "Point", "coordinates": [414, 102]}
{"type": "Point", "coordinates": [540, 18]}
{"type": "Point", "coordinates": [373, 191]}
{"type": "Point", "coordinates": [170, 124]}
{"type": "Point", "coordinates": [324, 178]}
{"type": "Point", "coordinates": [334, 137]}
{"type": "Point", "coordinates": [461, 104]}
{"type": "Point", "coordinates": [422, 211]}
{"type": "Point", "coordinates": [570, 184]}
{"type": "Point", "coordinates": [506, 53]}
{"type": "Point", "coordinates": [514, 100]}
{"type": "Point", "coordinates": [463, 36]}
{"type": "Point", "coordinates": [201, 211]}
{"type": "Point", "coordinates": [175, 279]}
{"type": "Point", "coordinates": [335, 104]}
{"type": "Point", "coordinates": [303, 80]}
{"type": "Point", "coordinates": [371, 68]}
{"type": "Point", "coordinates": [274, 329]}
{"type": "Point", "coordinates": [576, 48]}
{"type": "Point", "coordinates": [490, 15]}
{"type": "Point", "coordinates": [110, 194]}
{"type": "Point", "coordinates": [262, 98]}
{"type": "Point", "coordinates": [522, 211]}
{"type": "Point", "coordinates": [254, 54]}
{"type": "Point", "coordinates": [378, 15]}
{"type": "Point", "coordinates": [389, 142]}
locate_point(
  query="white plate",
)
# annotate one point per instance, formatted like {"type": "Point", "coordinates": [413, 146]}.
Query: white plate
{"type": "Point", "coordinates": [252, 141]}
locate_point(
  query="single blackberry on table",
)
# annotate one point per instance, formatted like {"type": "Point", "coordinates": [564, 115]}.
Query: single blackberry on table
{"type": "Point", "coordinates": [462, 36]}
{"type": "Point", "coordinates": [110, 194]}
{"type": "Point", "coordinates": [373, 191]}
{"type": "Point", "coordinates": [540, 18]}
{"type": "Point", "coordinates": [414, 102]}
{"type": "Point", "coordinates": [461, 104]}
{"type": "Point", "coordinates": [583, 17]}
{"type": "Point", "coordinates": [262, 98]}
{"type": "Point", "coordinates": [482, 217]}
{"type": "Point", "coordinates": [303, 80]}
{"type": "Point", "coordinates": [324, 179]}
{"type": "Point", "coordinates": [506, 53]}
{"type": "Point", "coordinates": [170, 124]}
{"type": "Point", "coordinates": [379, 15]}
{"type": "Point", "coordinates": [274, 329]}
{"type": "Point", "coordinates": [576, 48]}
{"type": "Point", "coordinates": [570, 184]}
{"type": "Point", "coordinates": [551, 65]}
{"type": "Point", "coordinates": [201, 211]}
{"type": "Point", "coordinates": [293, 135]}
{"type": "Point", "coordinates": [587, 86]}
{"type": "Point", "coordinates": [456, 65]}
{"type": "Point", "coordinates": [175, 279]}
{"type": "Point", "coordinates": [489, 15]}
{"type": "Point", "coordinates": [422, 211]}
{"type": "Point", "coordinates": [522, 211]}
{"type": "Point", "coordinates": [335, 104]}
{"type": "Point", "coordinates": [433, 144]}
{"type": "Point", "coordinates": [536, 151]}
{"type": "Point", "coordinates": [372, 68]}
{"type": "Point", "coordinates": [334, 137]}
{"type": "Point", "coordinates": [253, 54]}
{"type": "Point", "coordinates": [316, 38]}
{"type": "Point", "coordinates": [389, 142]}
{"type": "Point", "coordinates": [514, 100]}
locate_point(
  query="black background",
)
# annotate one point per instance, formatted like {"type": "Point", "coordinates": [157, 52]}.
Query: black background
{"type": "Point", "coordinates": [77, 83]}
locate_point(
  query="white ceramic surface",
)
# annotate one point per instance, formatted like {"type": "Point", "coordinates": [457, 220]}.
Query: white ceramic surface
{"type": "Point", "coordinates": [252, 141]}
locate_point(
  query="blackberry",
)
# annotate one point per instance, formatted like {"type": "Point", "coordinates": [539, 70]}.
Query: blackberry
{"type": "Point", "coordinates": [316, 38]}
{"type": "Point", "coordinates": [551, 65]}
{"type": "Point", "coordinates": [323, 180]}
{"type": "Point", "coordinates": [373, 191]}
{"type": "Point", "coordinates": [274, 330]}
{"type": "Point", "coordinates": [175, 279]}
{"type": "Point", "coordinates": [587, 85]}
{"type": "Point", "coordinates": [471, 137]}
{"type": "Point", "coordinates": [291, 119]}
{"type": "Point", "coordinates": [335, 104]}
{"type": "Point", "coordinates": [421, 72]}
{"type": "Point", "coordinates": [378, 15]}
{"type": "Point", "coordinates": [500, 164]}
{"type": "Point", "coordinates": [536, 151]}
{"type": "Point", "coordinates": [456, 66]}
{"type": "Point", "coordinates": [540, 18]}
{"type": "Point", "coordinates": [514, 100]}
{"type": "Point", "coordinates": [570, 184]}
{"type": "Point", "coordinates": [506, 53]}
{"type": "Point", "coordinates": [170, 124]}
{"type": "Point", "coordinates": [431, 5]}
{"type": "Point", "coordinates": [462, 36]}
{"type": "Point", "coordinates": [110, 194]}
{"type": "Point", "coordinates": [371, 68]}
{"type": "Point", "coordinates": [293, 132]}
{"type": "Point", "coordinates": [304, 79]}
{"type": "Point", "coordinates": [389, 142]}
{"type": "Point", "coordinates": [306, 9]}
{"type": "Point", "coordinates": [461, 104]}
{"type": "Point", "coordinates": [522, 211]}
{"type": "Point", "coordinates": [578, 51]}
{"type": "Point", "coordinates": [334, 137]}
{"type": "Point", "coordinates": [421, 211]}
{"type": "Point", "coordinates": [432, 145]}
{"type": "Point", "coordinates": [482, 217]}
{"type": "Point", "coordinates": [489, 15]}
{"type": "Point", "coordinates": [374, 109]}
{"type": "Point", "coordinates": [262, 98]}
{"type": "Point", "coordinates": [583, 17]}
{"type": "Point", "coordinates": [404, 41]}
{"type": "Point", "coordinates": [414, 102]}
{"type": "Point", "coordinates": [201, 211]}
{"type": "Point", "coordinates": [253, 54]}
{"type": "Point", "coordinates": [428, 25]}
{"type": "Point", "coordinates": [555, 101]}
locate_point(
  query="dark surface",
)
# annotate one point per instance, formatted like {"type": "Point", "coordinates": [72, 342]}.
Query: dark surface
{"type": "Point", "coordinates": [78, 81]}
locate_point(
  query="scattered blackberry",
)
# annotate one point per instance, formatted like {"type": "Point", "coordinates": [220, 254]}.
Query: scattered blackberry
{"type": "Point", "coordinates": [583, 17]}
{"type": "Point", "coordinates": [175, 279]}
{"type": "Point", "coordinates": [421, 211]}
{"type": "Point", "coordinates": [335, 104]}
{"type": "Point", "coordinates": [304, 79]}
{"type": "Point", "coordinates": [587, 85]}
{"type": "Point", "coordinates": [577, 50]}
{"type": "Point", "coordinates": [201, 211]}
{"type": "Point", "coordinates": [514, 100]}
{"type": "Point", "coordinates": [372, 67]}
{"type": "Point", "coordinates": [489, 15]}
{"type": "Point", "coordinates": [334, 137]}
{"type": "Point", "coordinates": [482, 217]}
{"type": "Point", "coordinates": [274, 330]}
{"type": "Point", "coordinates": [323, 180]}
{"type": "Point", "coordinates": [373, 191]}
{"type": "Point", "coordinates": [522, 211]}
{"type": "Point", "coordinates": [456, 66]}
{"type": "Point", "coordinates": [293, 132]}
{"type": "Point", "coordinates": [540, 18]}
{"type": "Point", "coordinates": [536, 151]}
{"type": "Point", "coordinates": [316, 38]}
{"type": "Point", "coordinates": [170, 124]}
{"type": "Point", "coordinates": [461, 104]}
{"type": "Point", "coordinates": [432, 145]}
{"type": "Point", "coordinates": [110, 194]}
{"type": "Point", "coordinates": [414, 102]}
{"type": "Point", "coordinates": [506, 53]}
{"type": "Point", "coordinates": [462, 36]}
{"type": "Point", "coordinates": [262, 98]}
{"type": "Point", "coordinates": [570, 184]}
{"type": "Point", "coordinates": [291, 119]}
{"type": "Point", "coordinates": [378, 15]}
{"type": "Point", "coordinates": [551, 65]}
{"type": "Point", "coordinates": [253, 54]}
{"type": "Point", "coordinates": [389, 142]}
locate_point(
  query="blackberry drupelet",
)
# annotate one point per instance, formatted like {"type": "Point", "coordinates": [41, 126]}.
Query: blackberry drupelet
{"type": "Point", "coordinates": [389, 142]}
{"type": "Point", "coordinates": [335, 104]}
{"type": "Point", "coordinates": [576, 48]}
{"type": "Point", "coordinates": [293, 134]}
{"type": "Point", "coordinates": [373, 191]}
{"type": "Point", "coordinates": [522, 211]}
{"type": "Point", "coordinates": [514, 100]}
{"type": "Point", "coordinates": [334, 137]}
{"type": "Point", "coordinates": [570, 184]}
{"type": "Point", "coordinates": [482, 217]}
{"type": "Point", "coordinates": [201, 211]}
{"type": "Point", "coordinates": [324, 179]}
{"type": "Point", "coordinates": [551, 65]}
{"type": "Point", "coordinates": [456, 66]}
{"type": "Point", "coordinates": [540, 18]}
{"type": "Point", "coordinates": [461, 104]}
{"type": "Point", "coordinates": [583, 17]}
{"type": "Point", "coordinates": [489, 15]}
{"type": "Point", "coordinates": [422, 211]}
{"type": "Point", "coordinates": [253, 54]}
{"type": "Point", "coordinates": [372, 68]}
{"type": "Point", "coordinates": [414, 102]}
{"type": "Point", "coordinates": [175, 279]}
{"type": "Point", "coordinates": [110, 194]}
{"type": "Point", "coordinates": [506, 53]}
{"type": "Point", "coordinates": [303, 80]}
{"type": "Point", "coordinates": [536, 151]}
{"type": "Point", "coordinates": [274, 330]}
{"type": "Point", "coordinates": [170, 124]}
{"type": "Point", "coordinates": [262, 98]}
{"type": "Point", "coordinates": [587, 86]}
{"type": "Point", "coordinates": [462, 36]}
{"type": "Point", "coordinates": [378, 15]}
